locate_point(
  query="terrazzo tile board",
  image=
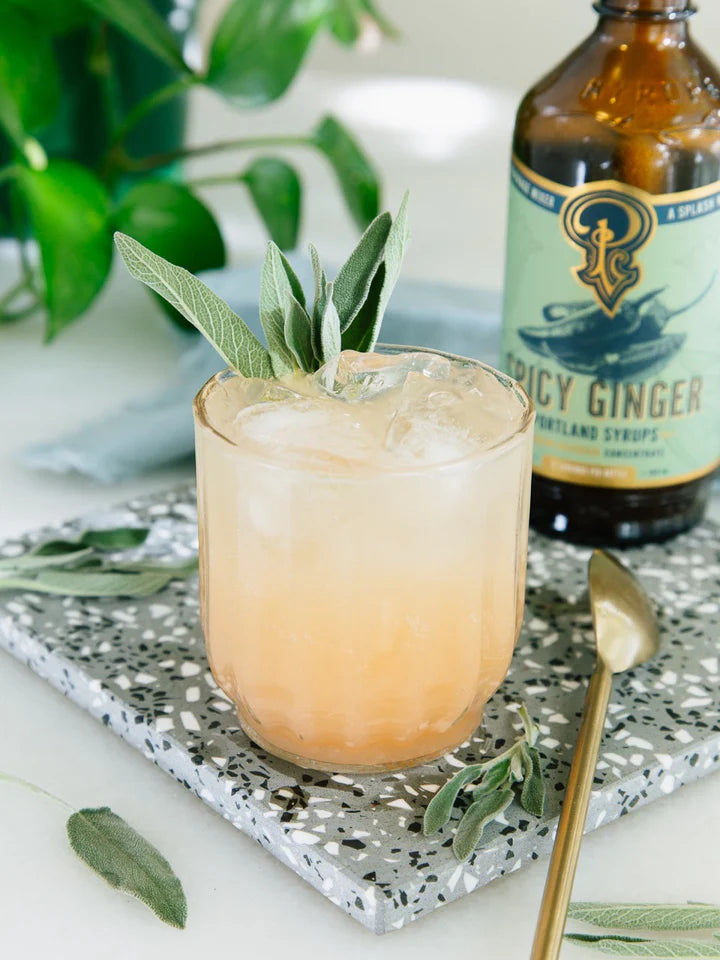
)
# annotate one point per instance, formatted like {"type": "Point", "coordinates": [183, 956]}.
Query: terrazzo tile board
{"type": "Point", "coordinates": [139, 667]}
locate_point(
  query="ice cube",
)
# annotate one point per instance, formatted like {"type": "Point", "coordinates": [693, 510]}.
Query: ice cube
{"type": "Point", "coordinates": [356, 377]}
{"type": "Point", "coordinates": [428, 426]}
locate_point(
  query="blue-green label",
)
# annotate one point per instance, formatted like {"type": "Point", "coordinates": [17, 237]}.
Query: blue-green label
{"type": "Point", "coordinates": [612, 325]}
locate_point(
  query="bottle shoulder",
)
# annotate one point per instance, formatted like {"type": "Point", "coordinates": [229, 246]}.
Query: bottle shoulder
{"type": "Point", "coordinates": [638, 113]}
{"type": "Point", "coordinates": [640, 87]}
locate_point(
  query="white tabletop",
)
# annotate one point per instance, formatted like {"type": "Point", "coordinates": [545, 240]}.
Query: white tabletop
{"type": "Point", "coordinates": [240, 899]}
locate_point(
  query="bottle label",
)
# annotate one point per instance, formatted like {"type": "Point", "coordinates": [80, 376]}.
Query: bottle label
{"type": "Point", "coordinates": [612, 325]}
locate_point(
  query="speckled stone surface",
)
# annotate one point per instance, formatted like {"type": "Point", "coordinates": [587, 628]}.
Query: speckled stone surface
{"type": "Point", "coordinates": [139, 666]}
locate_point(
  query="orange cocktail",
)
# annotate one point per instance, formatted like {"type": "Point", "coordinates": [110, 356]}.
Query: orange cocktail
{"type": "Point", "coordinates": [363, 537]}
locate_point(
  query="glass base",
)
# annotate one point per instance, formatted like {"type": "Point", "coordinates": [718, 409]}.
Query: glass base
{"type": "Point", "coordinates": [332, 767]}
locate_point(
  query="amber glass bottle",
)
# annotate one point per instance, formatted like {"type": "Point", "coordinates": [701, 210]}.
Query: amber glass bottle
{"type": "Point", "coordinates": [612, 307]}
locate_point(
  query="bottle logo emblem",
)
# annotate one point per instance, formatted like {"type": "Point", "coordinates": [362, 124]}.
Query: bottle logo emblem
{"type": "Point", "coordinates": [610, 227]}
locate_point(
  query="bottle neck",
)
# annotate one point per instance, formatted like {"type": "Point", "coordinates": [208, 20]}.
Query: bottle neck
{"type": "Point", "coordinates": [652, 21]}
{"type": "Point", "coordinates": [646, 10]}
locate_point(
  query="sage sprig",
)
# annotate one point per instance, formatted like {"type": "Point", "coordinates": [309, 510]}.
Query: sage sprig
{"type": "Point", "coordinates": [346, 314]}
{"type": "Point", "coordinates": [515, 772]}
{"type": "Point", "coordinates": [613, 946]}
{"type": "Point", "coordinates": [78, 568]}
{"type": "Point", "coordinates": [122, 857]}
{"type": "Point", "coordinates": [648, 916]}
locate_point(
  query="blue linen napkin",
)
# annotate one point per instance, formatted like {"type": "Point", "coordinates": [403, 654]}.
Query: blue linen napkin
{"type": "Point", "coordinates": [158, 429]}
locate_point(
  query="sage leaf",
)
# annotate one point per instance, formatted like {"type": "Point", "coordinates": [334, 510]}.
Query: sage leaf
{"type": "Point", "coordinates": [477, 816]}
{"type": "Point", "coordinates": [319, 303]}
{"type": "Point", "coordinates": [173, 223]}
{"type": "Point", "coordinates": [36, 561]}
{"type": "Point", "coordinates": [141, 22]}
{"type": "Point", "coordinates": [612, 946]}
{"type": "Point", "coordinates": [355, 276]}
{"type": "Point", "coordinates": [176, 571]}
{"type": "Point", "coordinates": [275, 288]}
{"type": "Point", "coordinates": [532, 795]}
{"type": "Point", "coordinates": [529, 726]}
{"type": "Point", "coordinates": [298, 334]}
{"type": "Point", "coordinates": [120, 538]}
{"type": "Point", "coordinates": [516, 768]}
{"type": "Point", "coordinates": [128, 862]}
{"type": "Point", "coordinates": [275, 189]}
{"type": "Point", "coordinates": [364, 331]}
{"type": "Point", "coordinates": [361, 331]}
{"type": "Point", "coordinates": [230, 336]}
{"type": "Point", "coordinates": [358, 181]}
{"type": "Point", "coordinates": [647, 916]}
{"type": "Point", "coordinates": [495, 777]}
{"type": "Point", "coordinates": [440, 807]}
{"type": "Point", "coordinates": [330, 328]}
{"type": "Point", "coordinates": [395, 248]}
{"type": "Point", "coordinates": [90, 583]}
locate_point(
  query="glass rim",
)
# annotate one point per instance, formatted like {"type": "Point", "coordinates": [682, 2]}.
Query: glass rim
{"type": "Point", "coordinates": [489, 452]}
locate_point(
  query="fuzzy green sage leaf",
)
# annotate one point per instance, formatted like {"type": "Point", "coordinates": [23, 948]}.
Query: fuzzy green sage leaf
{"type": "Point", "coordinates": [478, 815]}
{"type": "Point", "coordinates": [298, 333]}
{"type": "Point", "coordinates": [647, 916]}
{"type": "Point", "coordinates": [440, 807]}
{"type": "Point", "coordinates": [36, 561]}
{"type": "Point", "coordinates": [90, 583]}
{"type": "Point", "coordinates": [230, 336]}
{"type": "Point", "coordinates": [532, 795]}
{"type": "Point", "coordinates": [278, 283]}
{"type": "Point", "coordinates": [330, 338]}
{"type": "Point", "coordinates": [127, 861]}
{"type": "Point", "coordinates": [612, 946]}
{"type": "Point", "coordinates": [119, 538]}
{"type": "Point", "coordinates": [355, 276]}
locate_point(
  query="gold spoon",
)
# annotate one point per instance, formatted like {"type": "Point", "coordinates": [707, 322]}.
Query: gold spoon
{"type": "Point", "coordinates": [626, 635]}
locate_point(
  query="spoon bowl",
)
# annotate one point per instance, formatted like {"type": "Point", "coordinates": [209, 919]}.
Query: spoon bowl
{"type": "Point", "coordinates": [626, 628]}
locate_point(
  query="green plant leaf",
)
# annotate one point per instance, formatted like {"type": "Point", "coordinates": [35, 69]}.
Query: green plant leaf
{"type": "Point", "coordinates": [35, 561]}
{"type": "Point", "coordinates": [298, 335]}
{"type": "Point", "coordinates": [395, 248]}
{"type": "Point", "coordinates": [365, 329]}
{"type": "Point", "coordinates": [358, 181]}
{"type": "Point", "coordinates": [356, 274]}
{"type": "Point", "coordinates": [387, 28]}
{"type": "Point", "coordinates": [55, 17]}
{"type": "Point", "coordinates": [345, 21]}
{"type": "Point", "coordinates": [68, 209]}
{"type": "Point", "coordinates": [29, 81]}
{"type": "Point", "coordinates": [360, 332]}
{"type": "Point", "coordinates": [275, 288]}
{"type": "Point", "coordinates": [532, 795]}
{"type": "Point", "coordinates": [119, 538]}
{"type": "Point", "coordinates": [652, 949]}
{"type": "Point", "coordinates": [140, 21]}
{"type": "Point", "coordinates": [231, 337]}
{"type": "Point", "coordinates": [330, 339]}
{"type": "Point", "coordinates": [319, 303]}
{"type": "Point", "coordinates": [176, 571]}
{"type": "Point", "coordinates": [127, 861]}
{"type": "Point", "coordinates": [90, 583]}
{"type": "Point", "coordinates": [171, 221]}
{"type": "Point", "coordinates": [494, 778]}
{"type": "Point", "coordinates": [440, 807]}
{"type": "Point", "coordinates": [275, 190]}
{"type": "Point", "coordinates": [259, 46]}
{"type": "Point", "coordinates": [477, 816]}
{"type": "Point", "coordinates": [648, 916]}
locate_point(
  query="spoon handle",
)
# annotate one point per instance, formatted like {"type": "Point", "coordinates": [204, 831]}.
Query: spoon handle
{"type": "Point", "coordinates": [561, 873]}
